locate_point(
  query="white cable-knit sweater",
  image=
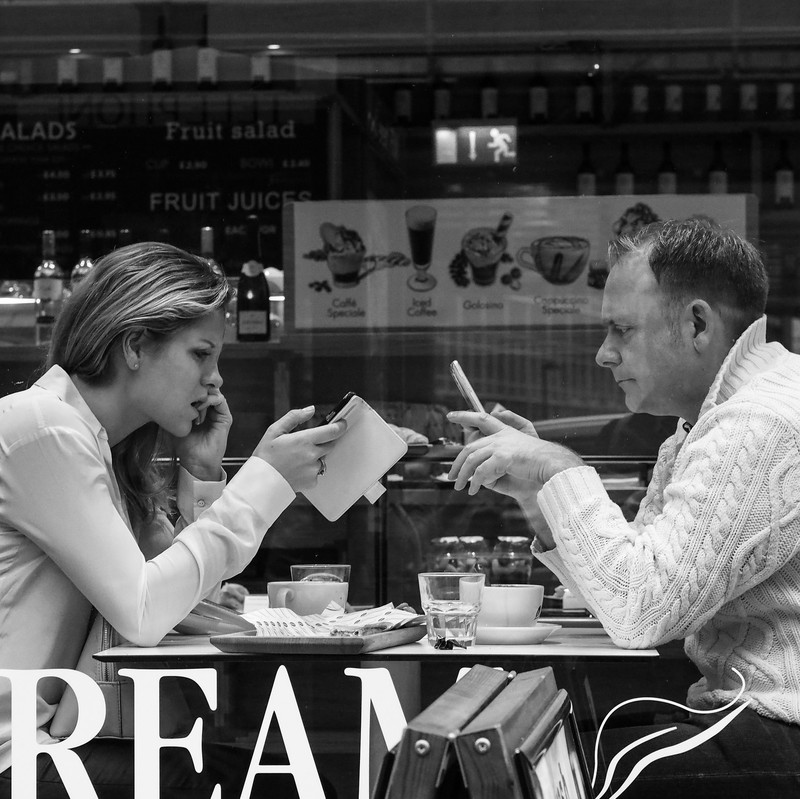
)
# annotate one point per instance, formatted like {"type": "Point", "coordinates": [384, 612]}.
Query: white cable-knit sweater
{"type": "Point", "coordinates": [713, 555]}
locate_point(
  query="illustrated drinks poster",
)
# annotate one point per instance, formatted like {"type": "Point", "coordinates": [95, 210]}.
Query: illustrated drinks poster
{"type": "Point", "coordinates": [462, 263]}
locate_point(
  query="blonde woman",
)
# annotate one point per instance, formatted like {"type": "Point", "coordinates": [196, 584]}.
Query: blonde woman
{"type": "Point", "coordinates": [84, 531]}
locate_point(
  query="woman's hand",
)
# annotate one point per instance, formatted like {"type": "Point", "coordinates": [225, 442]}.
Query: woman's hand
{"type": "Point", "coordinates": [201, 452]}
{"type": "Point", "coordinates": [231, 595]}
{"type": "Point", "coordinates": [294, 453]}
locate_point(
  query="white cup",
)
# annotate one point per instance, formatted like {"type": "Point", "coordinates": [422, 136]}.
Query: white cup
{"type": "Point", "coordinates": [510, 605]}
{"type": "Point", "coordinates": [305, 597]}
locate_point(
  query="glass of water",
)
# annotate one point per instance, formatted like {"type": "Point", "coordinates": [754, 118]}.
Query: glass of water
{"type": "Point", "coordinates": [450, 602]}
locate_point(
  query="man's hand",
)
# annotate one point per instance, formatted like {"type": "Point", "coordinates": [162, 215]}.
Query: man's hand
{"type": "Point", "coordinates": [506, 459]}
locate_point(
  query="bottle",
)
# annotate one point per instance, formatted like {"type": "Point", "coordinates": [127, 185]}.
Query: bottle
{"type": "Point", "coordinates": [784, 177]}
{"type": "Point", "coordinates": [113, 71]}
{"type": "Point", "coordinates": [640, 101]}
{"type": "Point", "coordinates": [48, 288]}
{"type": "Point", "coordinates": [252, 294]}
{"type": "Point", "coordinates": [489, 99]}
{"type": "Point", "coordinates": [442, 101]}
{"type": "Point", "coordinates": [718, 172]}
{"type": "Point", "coordinates": [67, 73]}
{"type": "Point", "coordinates": [624, 178]}
{"type": "Point", "coordinates": [260, 70]}
{"type": "Point", "coordinates": [207, 252]}
{"type": "Point", "coordinates": [206, 60]}
{"type": "Point", "coordinates": [784, 99]}
{"type": "Point", "coordinates": [748, 100]}
{"type": "Point", "coordinates": [587, 177]}
{"type": "Point", "coordinates": [667, 174]}
{"type": "Point", "coordinates": [538, 101]}
{"type": "Point", "coordinates": [161, 57]}
{"type": "Point", "coordinates": [673, 101]}
{"type": "Point", "coordinates": [84, 263]}
{"type": "Point", "coordinates": [207, 248]}
{"type": "Point", "coordinates": [585, 100]}
{"type": "Point", "coordinates": [713, 100]}
{"type": "Point", "coordinates": [402, 106]}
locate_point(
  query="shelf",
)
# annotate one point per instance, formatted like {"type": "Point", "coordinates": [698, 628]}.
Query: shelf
{"type": "Point", "coordinates": [660, 128]}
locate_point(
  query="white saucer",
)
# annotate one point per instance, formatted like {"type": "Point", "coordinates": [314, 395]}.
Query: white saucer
{"type": "Point", "coordinates": [515, 635]}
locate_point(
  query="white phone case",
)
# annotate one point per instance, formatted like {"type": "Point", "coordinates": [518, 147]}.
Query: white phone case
{"type": "Point", "coordinates": [358, 460]}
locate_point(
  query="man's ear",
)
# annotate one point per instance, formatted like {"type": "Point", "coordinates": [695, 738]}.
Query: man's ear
{"type": "Point", "coordinates": [706, 324]}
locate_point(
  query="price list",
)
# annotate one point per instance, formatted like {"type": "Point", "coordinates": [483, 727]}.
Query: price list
{"type": "Point", "coordinates": [162, 167]}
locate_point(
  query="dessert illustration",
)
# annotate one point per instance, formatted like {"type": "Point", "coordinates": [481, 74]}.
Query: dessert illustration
{"type": "Point", "coordinates": [634, 219]}
{"type": "Point", "coordinates": [344, 250]}
{"type": "Point", "coordinates": [482, 249]}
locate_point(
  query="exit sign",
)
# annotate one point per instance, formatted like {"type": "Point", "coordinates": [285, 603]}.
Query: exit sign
{"type": "Point", "coordinates": [489, 143]}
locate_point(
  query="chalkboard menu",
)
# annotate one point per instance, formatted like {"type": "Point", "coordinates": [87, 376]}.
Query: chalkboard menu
{"type": "Point", "coordinates": [162, 164]}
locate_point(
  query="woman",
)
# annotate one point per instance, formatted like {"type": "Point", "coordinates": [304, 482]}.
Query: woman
{"type": "Point", "coordinates": [133, 372]}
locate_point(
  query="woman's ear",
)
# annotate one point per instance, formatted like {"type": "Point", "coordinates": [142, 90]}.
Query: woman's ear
{"type": "Point", "coordinates": [132, 349]}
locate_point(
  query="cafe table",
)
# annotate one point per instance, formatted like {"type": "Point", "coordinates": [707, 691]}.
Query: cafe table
{"type": "Point", "coordinates": [352, 702]}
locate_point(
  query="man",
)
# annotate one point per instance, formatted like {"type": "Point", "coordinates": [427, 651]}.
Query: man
{"type": "Point", "coordinates": [713, 554]}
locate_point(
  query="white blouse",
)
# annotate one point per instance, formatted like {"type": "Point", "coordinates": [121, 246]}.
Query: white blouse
{"type": "Point", "coordinates": [66, 544]}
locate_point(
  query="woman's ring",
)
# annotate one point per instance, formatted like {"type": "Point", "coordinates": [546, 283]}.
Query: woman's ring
{"type": "Point", "coordinates": [322, 467]}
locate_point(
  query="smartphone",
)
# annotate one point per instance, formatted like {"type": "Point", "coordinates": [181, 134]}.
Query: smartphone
{"type": "Point", "coordinates": [465, 387]}
{"type": "Point", "coordinates": [339, 406]}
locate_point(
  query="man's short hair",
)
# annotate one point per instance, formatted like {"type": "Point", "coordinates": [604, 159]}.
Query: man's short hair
{"type": "Point", "coordinates": [698, 258]}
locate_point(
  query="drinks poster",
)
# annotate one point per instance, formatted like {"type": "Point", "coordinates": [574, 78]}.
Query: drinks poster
{"type": "Point", "coordinates": [463, 263]}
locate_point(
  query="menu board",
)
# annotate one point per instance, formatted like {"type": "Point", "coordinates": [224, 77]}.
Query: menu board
{"type": "Point", "coordinates": [160, 164]}
{"type": "Point", "coordinates": [463, 263]}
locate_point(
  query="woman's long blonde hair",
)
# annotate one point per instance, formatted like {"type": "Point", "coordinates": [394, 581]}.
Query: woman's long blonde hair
{"type": "Point", "coordinates": [149, 289]}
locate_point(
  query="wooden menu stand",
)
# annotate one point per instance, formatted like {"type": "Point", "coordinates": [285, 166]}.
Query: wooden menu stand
{"type": "Point", "coordinates": [423, 765]}
{"type": "Point", "coordinates": [493, 735]}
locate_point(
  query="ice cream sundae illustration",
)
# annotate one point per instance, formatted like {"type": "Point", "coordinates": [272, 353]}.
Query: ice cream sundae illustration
{"type": "Point", "coordinates": [482, 250]}
{"type": "Point", "coordinates": [344, 251]}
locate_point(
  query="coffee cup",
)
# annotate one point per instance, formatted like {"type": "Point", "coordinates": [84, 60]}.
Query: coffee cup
{"type": "Point", "coordinates": [510, 605]}
{"type": "Point", "coordinates": [558, 259]}
{"type": "Point", "coordinates": [306, 597]}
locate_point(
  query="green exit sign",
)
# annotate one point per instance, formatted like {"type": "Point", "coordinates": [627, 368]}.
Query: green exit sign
{"type": "Point", "coordinates": [489, 143]}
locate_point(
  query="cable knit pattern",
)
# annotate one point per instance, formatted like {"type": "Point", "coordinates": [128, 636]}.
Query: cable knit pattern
{"type": "Point", "coordinates": [713, 555]}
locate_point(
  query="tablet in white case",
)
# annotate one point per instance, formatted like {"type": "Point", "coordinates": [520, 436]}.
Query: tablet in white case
{"type": "Point", "coordinates": [358, 460]}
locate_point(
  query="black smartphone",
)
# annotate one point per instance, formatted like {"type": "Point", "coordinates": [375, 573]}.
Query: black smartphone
{"type": "Point", "coordinates": [465, 387]}
{"type": "Point", "coordinates": [339, 405]}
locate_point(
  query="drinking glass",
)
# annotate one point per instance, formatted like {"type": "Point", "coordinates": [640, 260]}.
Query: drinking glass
{"type": "Point", "coordinates": [321, 572]}
{"type": "Point", "coordinates": [451, 602]}
{"type": "Point", "coordinates": [421, 224]}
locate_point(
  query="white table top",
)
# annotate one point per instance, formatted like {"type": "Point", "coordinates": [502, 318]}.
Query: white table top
{"type": "Point", "coordinates": [566, 642]}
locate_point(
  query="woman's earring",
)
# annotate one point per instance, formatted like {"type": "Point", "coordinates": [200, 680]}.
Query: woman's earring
{"type": "Point", "coordinates": [136, 365]}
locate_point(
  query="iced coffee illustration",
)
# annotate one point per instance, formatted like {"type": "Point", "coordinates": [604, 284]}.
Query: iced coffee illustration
{"type": "Point", "coordinates": [483, 248]}
{"type": "Point", "coordinates": [421, 225]}
{"type": "Point", "coordinates": [344, 252]}
{"type": "Point", "coordinates": [558, 259]}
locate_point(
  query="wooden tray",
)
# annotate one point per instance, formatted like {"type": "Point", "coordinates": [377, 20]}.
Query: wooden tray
{"type": "Point", "coordinates": [248, 641]}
